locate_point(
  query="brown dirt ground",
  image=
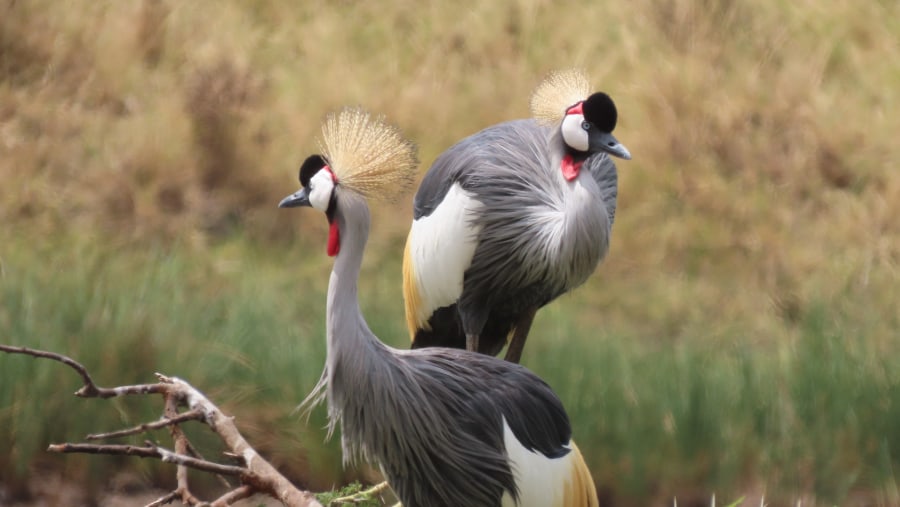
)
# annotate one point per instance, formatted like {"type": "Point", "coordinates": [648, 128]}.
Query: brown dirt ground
{"type": "Point", "coordinates": [52, 490]}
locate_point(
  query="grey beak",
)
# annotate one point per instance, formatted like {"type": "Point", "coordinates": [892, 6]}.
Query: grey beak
{"type": "Point", "coordinates": [298, 198]}
{"type": "Point", "coordinates": [605, 141]}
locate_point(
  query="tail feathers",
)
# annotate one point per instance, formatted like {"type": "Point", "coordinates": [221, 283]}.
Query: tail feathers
{"type": "Point", "coordinates": [411, 300]}
{"type": "Point", "coordinates": [580, 490]}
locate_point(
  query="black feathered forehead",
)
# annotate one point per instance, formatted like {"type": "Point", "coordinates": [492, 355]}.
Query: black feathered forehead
{"type": "Point", "coordinates": [310, 166]}
{"type": "Point", "coordinates": [600, 110]}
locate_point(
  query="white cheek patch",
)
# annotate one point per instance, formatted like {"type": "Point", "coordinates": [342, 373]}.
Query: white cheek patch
{"type": "Point", "coordinates": [572, 133]}
{"type": "Point", "coordinates": [320, 188]}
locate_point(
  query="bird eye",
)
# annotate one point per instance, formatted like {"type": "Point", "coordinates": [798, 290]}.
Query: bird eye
{"type": "Point", "coordinates": [586, 125]}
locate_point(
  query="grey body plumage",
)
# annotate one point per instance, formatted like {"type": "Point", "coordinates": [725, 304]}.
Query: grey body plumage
{"type": "Point", "coordinates": [561, 238]}
{"type": "Point", "coordinates": [539, 234]}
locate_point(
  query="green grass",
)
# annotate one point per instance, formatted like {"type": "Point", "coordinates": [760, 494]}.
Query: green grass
{"type": "Point", "coordinates": [351, 494]}
{"type": "Point", "coordinates": [816, 415]}
{"type": "Point", "coordinates": [811, 416]}
{"type": "Point", "coordinates": [243, 340]}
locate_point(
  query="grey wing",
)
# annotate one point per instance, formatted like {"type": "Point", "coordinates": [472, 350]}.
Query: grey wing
{"type": "Point", "coordinates": [478, 159]}
{"type": "Point", "coordinates": [497, 388]}
{"type": "Point", "coordinates": [446, 170]}
{"type": "Point", "coordinates": [534, 413]}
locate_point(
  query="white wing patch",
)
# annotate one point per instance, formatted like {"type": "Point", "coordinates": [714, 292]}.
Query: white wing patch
{"type": "Point", "coordinates": [441, 249]}
{"type": "Point", "coordinates": [541, 480]}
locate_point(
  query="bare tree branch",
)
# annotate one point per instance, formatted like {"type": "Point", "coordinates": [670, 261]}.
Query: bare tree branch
{"type": "Point", "coordinates": [233, 496]}
{"type": "Point", "coordinates": [181, 447]}
{"type": "Point", "coordinates": [149, 451]}
{"type": "Point", "coordinates": [192, 415]}
{"type": "Point", "coordinates": [90, 388]}
{"type": "Point", "coordinates": [164, 500]}
{"type": "Point", "coordinates": [256, 475]}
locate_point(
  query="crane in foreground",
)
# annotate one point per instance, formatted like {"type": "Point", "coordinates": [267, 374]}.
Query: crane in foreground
{"type": "Point", "coordinates": [447, 427]}
{"type": "Point", "coordinates": [510, 218]}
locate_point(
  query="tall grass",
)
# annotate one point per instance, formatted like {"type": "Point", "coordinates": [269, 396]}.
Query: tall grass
{"type": "Point", "coordinates": [243, 340]}
{"type": "Point", "coordinates": [812, 417]}
{"type": "Point", "coordinates": [738, 338]}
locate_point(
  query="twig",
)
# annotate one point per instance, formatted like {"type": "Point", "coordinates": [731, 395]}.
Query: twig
{"type": "Point", "coordinates": [181, 447]}
{"type": "Point", "coordinates": [149, 451]}
{"type": "Point", "coordinates": [187, 497]}
{"type": "Point", "coordinates": [192, 415]}
{"type": "Point", "coordinates": [233, 496]}
{"type": "Point", "coordinates": [192, 451]}
{"type": "Point", "coordinates": [164, 500]}
{"type": "Point", "coordinates": [89, 389]}
{"type": "Point", "coordinates": [89, 385]}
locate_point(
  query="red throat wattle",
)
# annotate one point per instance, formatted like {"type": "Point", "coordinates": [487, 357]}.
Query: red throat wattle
{"type": "Point", "coordinates": [334, 234]}
{"type": "Point", "coordinates": [570, 167]}
{"type": "Point", "coordinates": [334, 239]}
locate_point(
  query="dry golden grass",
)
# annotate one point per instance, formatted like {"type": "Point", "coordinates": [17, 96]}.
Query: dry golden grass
{"type": "Point", "coordinates": [747, 122]}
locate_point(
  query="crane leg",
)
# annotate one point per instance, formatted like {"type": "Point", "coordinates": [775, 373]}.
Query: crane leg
{"type": "Point", "coordinates": [472, 342]}
{"type": "Point", "coordinates": [514, 351]}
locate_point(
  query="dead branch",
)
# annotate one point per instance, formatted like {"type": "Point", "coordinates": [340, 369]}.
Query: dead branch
{"type": "Point", "coordinates": [255, 474]}
{"type": "Point", "coordinates": [150, 451]}
{"type": "Point", "coordinates": [234, 495]}
{"type": "Point", "coordinates": [191, 415]}
{"type": "Point", "coordinates": [165, 500]}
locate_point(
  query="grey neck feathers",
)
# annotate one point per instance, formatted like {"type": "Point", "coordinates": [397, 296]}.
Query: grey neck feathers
{"type": "Point", "coordinates": [344, 318]}
{"type": "Point", "coordinates": [582, 217]}
{"type": "Point", "coordinates": [349, 339]}
{"type": "Point", "coordinates": [557, 151]}
{"type": "Point", "coordinates": [601, 168]}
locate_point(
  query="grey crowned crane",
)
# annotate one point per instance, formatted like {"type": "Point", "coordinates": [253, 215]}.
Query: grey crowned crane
{"type": "Point", "coordinates": [447, 427]}
{"type": "Point", "coordinates": [510, 218]}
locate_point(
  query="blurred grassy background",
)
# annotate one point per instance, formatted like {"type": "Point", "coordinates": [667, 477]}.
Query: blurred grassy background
{"type": "Point", "coordinates": [742, 338]}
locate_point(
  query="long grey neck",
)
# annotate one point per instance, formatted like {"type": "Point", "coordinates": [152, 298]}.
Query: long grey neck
{"type": "Point", "coordinates": [601, 168]}
{"type": "Point", "coordinates": [586, 217]}
{"type": "Point", "coordinates": [557, 152]}
{"type": "Point", "coordinates": [345, 325]}
{"type": "Point", "coordinates": [352, 350]}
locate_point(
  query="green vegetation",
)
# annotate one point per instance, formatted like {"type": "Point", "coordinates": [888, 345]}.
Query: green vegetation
{"type": "Point", "coordinates": [352, 494]}
{"type": "Point", "coordinates": [741, 339]}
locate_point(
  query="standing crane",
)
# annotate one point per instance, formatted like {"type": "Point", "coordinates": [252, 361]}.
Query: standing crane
{"type": "Point", "coordinates": [448, 427]}
{"type": "Point", "coordinates": [510, 218]}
